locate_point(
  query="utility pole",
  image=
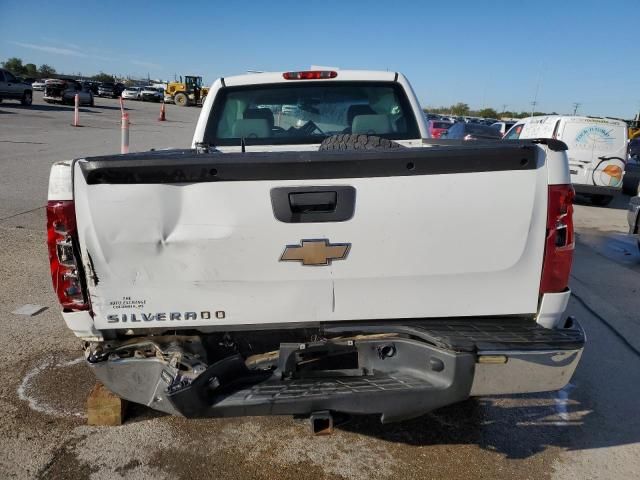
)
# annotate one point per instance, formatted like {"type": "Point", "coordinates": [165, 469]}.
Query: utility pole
{"type": "Point", "coordinates": [535, 96]}
{"type": "Point", "coordinates": [576, 105]}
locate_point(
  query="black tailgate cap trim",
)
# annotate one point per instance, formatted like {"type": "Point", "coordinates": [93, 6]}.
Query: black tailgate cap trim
{"type": "Point", "coordinates": [552, 143]}
{"type": "Point", "coordinates": [186, 166]}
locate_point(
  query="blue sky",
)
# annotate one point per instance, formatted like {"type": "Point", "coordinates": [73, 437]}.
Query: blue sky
{"type": "Point", "coordinates": [482, 52]}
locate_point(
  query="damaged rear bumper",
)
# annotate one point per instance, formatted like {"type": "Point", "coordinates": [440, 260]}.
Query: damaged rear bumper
{"type": "Point", "coordinates": [396, 371]}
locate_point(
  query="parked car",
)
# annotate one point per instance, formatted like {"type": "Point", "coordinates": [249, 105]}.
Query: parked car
{"type": "Point", "coordinates": [634, 148]}
{"type": "Point", "coordinates": [502, 127]}
{"type": "Point", "coordinates": [39, 85]}
{"type": "Point", "coordinates": [64, 91]}
{"type": "Point", "coordinates": [631, 177]}
{"type": "Point", "coordinates": [110, 90]}
{"type": "Point", "coordinates": [471, 131]}
{"type": "Point", "coordinates": [91, 86]}
{"type": "Point", "coordinates": [633, 215]}
{"type": "Point", "coordinates": [12, 89]}
{"type": "Point", "coordinates": [597, 150]}
{"type": "Point", "coordinates": [451, 120]}
{"type": "Point", "coordinates": [152, 94]}
{"type": "Point", "coordinates": [106, 90]}
{"type": "Point", "coordinates": [132, 93]}
{"type": "Point", "coordinates": [378, 303]}
{"type": "Point", "coordinates": [438, 127]}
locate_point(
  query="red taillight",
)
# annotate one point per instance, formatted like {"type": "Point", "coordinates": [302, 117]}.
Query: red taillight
{"type": "Point", "coordinates": [559, 244]}
{"type": "Point", "coordinates": [310, 75]}
{"type": "Point", "coordinates": [62, 240]}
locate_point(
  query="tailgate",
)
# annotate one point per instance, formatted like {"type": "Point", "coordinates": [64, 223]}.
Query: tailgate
{"type": "Point", "coordinates": [185, 240]}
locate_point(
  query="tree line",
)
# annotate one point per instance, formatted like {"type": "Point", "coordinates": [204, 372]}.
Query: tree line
{"type": "Point", "coordinates": [463, 110]}
{"type": "Point", "coordinates": [15, 65]}
{"type": "Point", "coordinates": [30, 70]}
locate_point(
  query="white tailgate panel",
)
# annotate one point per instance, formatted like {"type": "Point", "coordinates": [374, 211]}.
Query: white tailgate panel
{"type": "Point", "coordinates": [422, 246]}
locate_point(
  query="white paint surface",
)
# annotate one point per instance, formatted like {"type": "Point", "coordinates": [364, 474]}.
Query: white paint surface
{"type": "Point", "coordinates": [463, 244]}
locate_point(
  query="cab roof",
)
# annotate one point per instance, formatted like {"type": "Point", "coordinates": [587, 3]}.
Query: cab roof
{"type": "Point", "coordinates": [342, 75]}
{"type": "Point", "coordinates": [582, 119]}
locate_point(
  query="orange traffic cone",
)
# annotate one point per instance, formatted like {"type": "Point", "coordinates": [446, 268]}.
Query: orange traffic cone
{"type": "Point", "coordinates": [163, 115]}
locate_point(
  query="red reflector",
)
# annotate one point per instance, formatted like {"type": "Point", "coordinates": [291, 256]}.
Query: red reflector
{"type": "Point", "coordinates": [559, 243]}
{"type": "Point", "coordinates": [310, 75]}
{"type": "Point", "coordinates": [62, 240]}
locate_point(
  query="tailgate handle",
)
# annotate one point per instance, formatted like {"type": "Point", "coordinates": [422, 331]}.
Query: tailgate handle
{"type": "Point", "coordinates": [307, 202]}
{"type": "Point", "coordinates": [334, 203]}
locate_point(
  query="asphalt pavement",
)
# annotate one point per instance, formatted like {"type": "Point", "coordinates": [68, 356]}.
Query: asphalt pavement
{"type": "Point", "coordinates": [590, 429]}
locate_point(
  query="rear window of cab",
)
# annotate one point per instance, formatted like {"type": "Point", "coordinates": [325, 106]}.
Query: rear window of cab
{"type": "Point", "coordinates": [308, 112]}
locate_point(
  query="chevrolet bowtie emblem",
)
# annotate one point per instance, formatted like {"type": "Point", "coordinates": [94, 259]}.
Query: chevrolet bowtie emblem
{"type": "Point", "coordinates": [315, 252]}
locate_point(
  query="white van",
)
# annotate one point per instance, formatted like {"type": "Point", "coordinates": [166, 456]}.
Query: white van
{"type": "Point", "coordinates": [597, 150]}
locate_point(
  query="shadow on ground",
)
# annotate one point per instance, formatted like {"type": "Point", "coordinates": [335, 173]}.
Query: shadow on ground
{"type": "Point", "coordinates": [49, 107]}
{"type": "Point", "coordinates": [598, 409]}
{"type": "Point", "coordinates": [109, 107]}
{"type": "Point", "coordinates": [498, 424]}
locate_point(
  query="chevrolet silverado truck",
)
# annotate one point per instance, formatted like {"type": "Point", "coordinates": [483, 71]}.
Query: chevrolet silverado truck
{"type": "Point", "coordinates": [328, 259]}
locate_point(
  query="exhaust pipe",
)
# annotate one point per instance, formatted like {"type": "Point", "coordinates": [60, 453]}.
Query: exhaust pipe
{"type": "Point", "coordinates": [321, 423]}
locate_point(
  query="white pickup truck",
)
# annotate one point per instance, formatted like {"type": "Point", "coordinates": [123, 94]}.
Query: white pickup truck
{"type": "Point", "coordinates": [315, 253]}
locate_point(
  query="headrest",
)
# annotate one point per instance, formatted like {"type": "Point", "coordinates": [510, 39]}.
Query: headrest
{"type": "Point", "coordinates": [251, 128]}
{"type": "Point", "coordinates": [371, 124]}
{"type": "Point", "coordinates": [264, 113]}
{"type": "Point", "coordinates": [355, 110]}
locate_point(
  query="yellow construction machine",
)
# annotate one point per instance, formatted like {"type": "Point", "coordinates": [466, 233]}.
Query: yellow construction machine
{"type": "Point", "coordinates": [187, 92]}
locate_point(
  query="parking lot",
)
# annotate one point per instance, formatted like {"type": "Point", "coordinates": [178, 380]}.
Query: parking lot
{"type": "Point", "coordinates": [590, 429]}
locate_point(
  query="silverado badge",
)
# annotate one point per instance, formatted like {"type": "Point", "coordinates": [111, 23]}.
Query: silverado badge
{"type": "Point", "coordinates": [315, 252]}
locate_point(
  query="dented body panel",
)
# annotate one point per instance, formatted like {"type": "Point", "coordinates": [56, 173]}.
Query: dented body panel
{"type": "Point", "coordinates": [209, 254]}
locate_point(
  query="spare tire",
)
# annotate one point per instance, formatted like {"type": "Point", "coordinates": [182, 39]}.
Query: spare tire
{"type": "Point", "coordinates": [348, 141]}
